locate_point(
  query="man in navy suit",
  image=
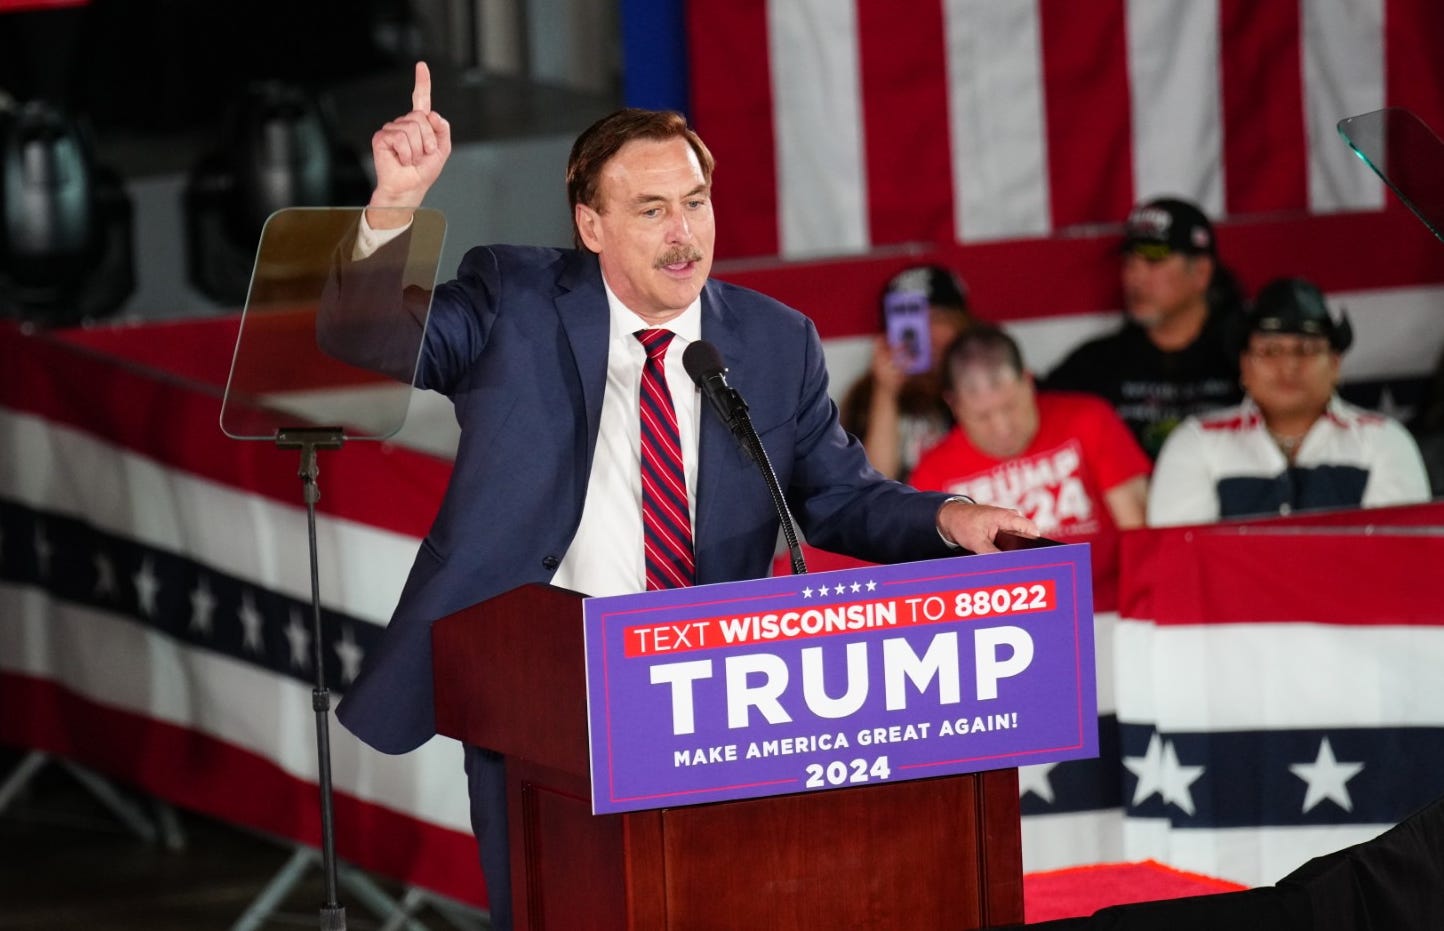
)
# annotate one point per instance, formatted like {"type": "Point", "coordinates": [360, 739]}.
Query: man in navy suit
{"type": "Point", "coordinates": [537, 350]}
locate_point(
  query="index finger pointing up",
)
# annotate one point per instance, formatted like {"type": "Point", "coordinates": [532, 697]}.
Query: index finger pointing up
{"type": "Point", "coordinates": [421, 94]}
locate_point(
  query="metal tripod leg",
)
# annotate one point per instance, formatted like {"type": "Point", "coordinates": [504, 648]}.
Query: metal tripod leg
{"type": "Point", "coordinates": [461, 917]}
{"type": "Point", "coordinates": [166, 827]}
{"type": "Point", "coordinates": [276, 890]}
{"type": "Point", "coordinates": [20, 776]}
{"type": "Point", "coordinates": [398, 915]}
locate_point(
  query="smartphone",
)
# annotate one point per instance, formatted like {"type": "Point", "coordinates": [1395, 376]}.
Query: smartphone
{"type": "Point", "coordinates": [906, 313]}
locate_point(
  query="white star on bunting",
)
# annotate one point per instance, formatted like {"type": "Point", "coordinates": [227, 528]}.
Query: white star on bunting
{"type": "Point", "coordinates": [350, 654]}
{"type": "Point", "coordinates": [1159, 771]}
{"type": "Point", "coordinates": [300, 640]}
{"type": "Point", "coordinates": [1327, 778]}
{"type": "Point", "coordinates": [146, 587]}
{"type": "Point", "coordinates": [104, 576]}
{"type": "Point", "coordinates": [1035, 779]}
{"type": "Point", "coordinates": [251, 623]}
{"type": "Point", "coordinates": [203, 606]}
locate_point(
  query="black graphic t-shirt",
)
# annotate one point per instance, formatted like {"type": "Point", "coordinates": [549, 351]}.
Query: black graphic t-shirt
{"type": "Point", "coordinates": [1152, 390]}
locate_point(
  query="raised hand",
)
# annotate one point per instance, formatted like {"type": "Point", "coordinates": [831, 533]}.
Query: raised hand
{"type": "Point", "coordinates": [409, 153]}
{"type": "Point", "coordinates": [888, 371]}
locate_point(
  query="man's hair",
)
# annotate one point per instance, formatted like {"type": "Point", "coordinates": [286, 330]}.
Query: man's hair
{"type": "Point", "coordinates": [604, 138]}
{"type": "Point", "coordinates": [982, 344]}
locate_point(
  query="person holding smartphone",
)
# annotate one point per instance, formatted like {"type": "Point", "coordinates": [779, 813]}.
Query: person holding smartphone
{"type": "Point", "coordinates": [896, 408]}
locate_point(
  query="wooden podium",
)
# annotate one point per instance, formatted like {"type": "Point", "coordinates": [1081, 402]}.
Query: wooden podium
{"type": "Point", "coordinates": [941, 853]}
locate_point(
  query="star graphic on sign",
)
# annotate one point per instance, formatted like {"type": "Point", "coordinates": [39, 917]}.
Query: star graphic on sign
{"type": "Point", "coordinates": [104, 576]}
{"type": "Point", "coordinates": [251, 624]}
{"type": "Point", "coordinates": [350, 654]}
{"type": "Point", "coordinates": [839, 589]}
{"type": "Point", "coordinates": [146, 586]}
{"type": "Point", "coordinates": [871, 585]}
{"type": "Point", "coordinates": [1035, 779]}
{"type": "Point", "coordinates": [1327, 778]}
{"type": "Point", "coordinates": [856, 587]}
{"type": "Point", "coordinates": [300, 640]}
{"type": "Point", "coordinates": [203, 606]}
{"type": "Point", "coordinates": [1159, 771]}
{"type": "Point", "coordinates": [43, 551]}
{"type": "Point", "coordinates": [807, 592]}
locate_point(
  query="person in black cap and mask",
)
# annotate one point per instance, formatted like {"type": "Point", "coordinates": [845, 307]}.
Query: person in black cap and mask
{"type": "Point", "coordinates": [897, 413]}
{"type": "Point", "coordinates": [1293, 444]}
{"type": "Point", "coordinates": [1171, 357]}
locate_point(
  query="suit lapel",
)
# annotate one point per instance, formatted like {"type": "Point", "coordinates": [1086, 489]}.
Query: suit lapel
{"type": "Point", "coordinates": [582, 307]}
{"type": "Point", "coordinates": [717, 448]}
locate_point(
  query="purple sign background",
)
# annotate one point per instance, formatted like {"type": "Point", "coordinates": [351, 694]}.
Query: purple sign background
{"type": "Point", "coordinates": [739, 690]}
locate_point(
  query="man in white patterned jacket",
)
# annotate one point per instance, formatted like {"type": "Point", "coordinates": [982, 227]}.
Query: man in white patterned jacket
{"type": "Point", "coordinates": [1293, 444]}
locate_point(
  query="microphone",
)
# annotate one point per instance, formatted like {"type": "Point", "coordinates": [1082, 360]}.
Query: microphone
{"type": "Point", "coordinates": [705, 367]}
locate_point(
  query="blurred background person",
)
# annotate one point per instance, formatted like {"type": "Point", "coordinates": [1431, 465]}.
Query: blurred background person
{"type": "Point", "coordinates": [1172, 356]}
{"type": "Point", "coordinates": [1065, 460]}
{"type": "Point", "coordinates": [1293, 444]}
{"type": "Point", "coordinates": [896, 408]}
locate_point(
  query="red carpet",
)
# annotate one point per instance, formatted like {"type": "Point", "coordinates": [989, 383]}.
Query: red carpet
{"type": "Point", "coordinates": [1083, 890]}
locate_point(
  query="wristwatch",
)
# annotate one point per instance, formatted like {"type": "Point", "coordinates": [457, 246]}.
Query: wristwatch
{"type": "Point", "coordinates": [950, 499]}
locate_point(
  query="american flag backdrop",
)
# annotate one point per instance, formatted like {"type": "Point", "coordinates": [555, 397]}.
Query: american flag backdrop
{"type": "Point", "coordinates": [1009, 139]}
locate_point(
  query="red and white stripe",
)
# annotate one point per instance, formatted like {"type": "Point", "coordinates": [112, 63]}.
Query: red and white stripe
{"type": "Point", "coordinates": [1010, 139]}
{"type": "Point", "coordinates": [872, 123]}
{"type": "Point", "coordinates": [138, 455]}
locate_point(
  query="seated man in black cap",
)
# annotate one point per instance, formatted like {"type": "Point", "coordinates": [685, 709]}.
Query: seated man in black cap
{"type": "Point", "coordinates": [1171, 357]}
{"type": "Point", "coordinates": [1293, 444]}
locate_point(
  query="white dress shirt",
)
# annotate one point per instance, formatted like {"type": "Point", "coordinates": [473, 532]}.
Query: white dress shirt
{"type": "Point", "coordinates": [606, 557]}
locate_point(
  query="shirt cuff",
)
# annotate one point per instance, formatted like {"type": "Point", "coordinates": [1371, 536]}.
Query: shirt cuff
{"type": "Point", "coordinates": [950, 499]}
{"type": "Point", "coordinates": [369, 240]}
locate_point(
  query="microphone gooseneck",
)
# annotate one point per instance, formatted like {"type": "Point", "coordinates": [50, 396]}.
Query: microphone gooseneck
{"type": "Point", "coordinates": [705, 367]}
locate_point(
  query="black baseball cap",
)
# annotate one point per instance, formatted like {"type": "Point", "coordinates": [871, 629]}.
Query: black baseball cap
{"type": "Point", "coordinates": [940, 284]}
{"type": "Point", "coordinates": [1157, 228]}
{"type": "Point", "coordinates": [1296, 305]}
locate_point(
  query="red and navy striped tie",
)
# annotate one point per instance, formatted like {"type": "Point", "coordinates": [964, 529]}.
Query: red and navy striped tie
{"type": "Point", "coordinates": [666, 526]}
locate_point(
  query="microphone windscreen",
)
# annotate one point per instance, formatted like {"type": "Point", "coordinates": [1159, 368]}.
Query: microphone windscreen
{"type": "Point", "coordinates": [702, 360]}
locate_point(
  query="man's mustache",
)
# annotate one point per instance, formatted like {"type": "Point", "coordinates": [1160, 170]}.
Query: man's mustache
{"type": "Point", "coordinates": [679, 255]}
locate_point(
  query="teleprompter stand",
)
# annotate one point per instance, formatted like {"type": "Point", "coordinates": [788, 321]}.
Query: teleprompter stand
{"type": "Point", "coordinates": [308, 440]}
{"type": "Point", "coordinates": [290, 385]}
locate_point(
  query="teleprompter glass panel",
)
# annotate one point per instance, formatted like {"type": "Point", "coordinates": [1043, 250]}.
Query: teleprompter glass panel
{"type": "Point", "coordinates": [329, 339]}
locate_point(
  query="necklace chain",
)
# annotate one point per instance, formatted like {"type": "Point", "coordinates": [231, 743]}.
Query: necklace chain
{"type": "Point", "coordinates": [1287, 444]}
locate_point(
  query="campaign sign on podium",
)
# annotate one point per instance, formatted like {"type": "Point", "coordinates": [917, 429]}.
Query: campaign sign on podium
{"type": "Point", "coordinates": [832, 679]}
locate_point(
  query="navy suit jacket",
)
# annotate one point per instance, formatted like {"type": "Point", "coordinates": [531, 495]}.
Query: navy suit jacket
{"type": "Point", "coordinates": [518, 341]}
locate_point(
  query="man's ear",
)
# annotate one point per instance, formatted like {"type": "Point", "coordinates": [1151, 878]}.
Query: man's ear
{"type": "Point", "coordinates": [589, 226]}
